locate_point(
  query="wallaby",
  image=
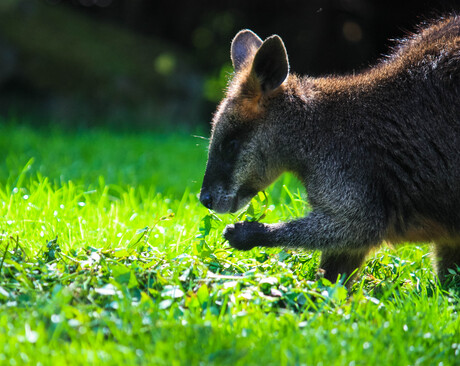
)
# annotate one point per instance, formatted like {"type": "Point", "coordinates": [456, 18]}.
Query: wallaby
{"type": "Point", "coordinates": [378, 152]}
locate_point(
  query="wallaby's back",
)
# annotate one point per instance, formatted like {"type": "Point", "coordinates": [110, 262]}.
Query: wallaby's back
{"type": "Point", "coordinates": [404, 116]}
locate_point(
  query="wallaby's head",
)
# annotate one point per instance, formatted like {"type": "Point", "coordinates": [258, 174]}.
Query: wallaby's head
{"type": "Point", "coordinates": [240, 160]}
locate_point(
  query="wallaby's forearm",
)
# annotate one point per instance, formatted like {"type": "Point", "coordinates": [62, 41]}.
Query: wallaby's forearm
{"type": "Point", "coordinates": [317, 231]}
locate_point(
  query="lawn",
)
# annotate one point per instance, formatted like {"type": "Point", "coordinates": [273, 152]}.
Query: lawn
{"type": "Point", "coordinates": [107, 257]}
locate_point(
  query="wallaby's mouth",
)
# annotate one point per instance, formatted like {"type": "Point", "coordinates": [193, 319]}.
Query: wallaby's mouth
{"type": "Point", "coordinates": [234, 202]}
{"type": "Point", "coordinates": [222, 202]}
{"type": "Point", "coordinates": [242, 198]}
{"type": "Point", "coordinates": [218, 200]}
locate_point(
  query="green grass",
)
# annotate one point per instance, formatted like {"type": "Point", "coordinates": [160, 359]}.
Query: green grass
{"type": "Point", "coordinates": [108, 257]}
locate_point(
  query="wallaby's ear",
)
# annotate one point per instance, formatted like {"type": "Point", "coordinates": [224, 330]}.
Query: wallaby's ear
{"type": "Point", "coordinates": [244, 45]}
{"type": "Point", "coordinates": [271, 65]}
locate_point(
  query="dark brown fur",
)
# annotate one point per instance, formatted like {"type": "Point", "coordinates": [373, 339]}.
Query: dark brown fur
{"type": "Point", "coordinates": [378, 152]}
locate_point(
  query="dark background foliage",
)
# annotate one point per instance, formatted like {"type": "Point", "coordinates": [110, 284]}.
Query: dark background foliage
{"type": "Point", "coordinates": [144, 63]}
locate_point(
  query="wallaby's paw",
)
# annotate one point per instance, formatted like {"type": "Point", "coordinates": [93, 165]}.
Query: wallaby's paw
{"type": "Point", "coordinates": [244, 235]}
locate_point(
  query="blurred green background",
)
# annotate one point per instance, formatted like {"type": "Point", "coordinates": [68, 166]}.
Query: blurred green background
{"type": "Point", "coordinates": [145, 64]}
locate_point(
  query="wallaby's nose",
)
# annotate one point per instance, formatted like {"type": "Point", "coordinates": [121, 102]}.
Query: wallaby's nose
{"type": "Point", "coordinates": [206, 199]}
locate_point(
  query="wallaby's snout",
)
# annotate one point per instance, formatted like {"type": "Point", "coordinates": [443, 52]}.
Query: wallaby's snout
{"type": "Point", "coordinates": [220, 200]}
{"type": "Point", "coordinates": [215, 195]}
{"type": "Point", "coordinates": [206, 198]}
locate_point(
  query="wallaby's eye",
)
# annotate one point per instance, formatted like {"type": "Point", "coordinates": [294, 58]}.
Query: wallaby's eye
{"type": "Point", "coordinates": [229, 149]}
{"type": "Point", "coordinates": [232, 147]}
